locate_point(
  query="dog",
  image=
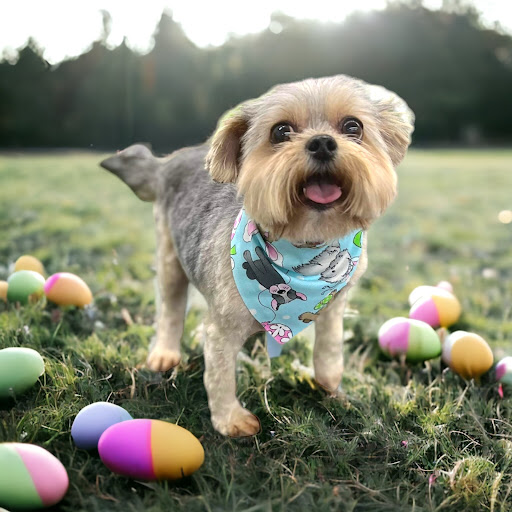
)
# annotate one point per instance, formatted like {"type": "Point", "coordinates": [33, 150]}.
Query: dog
{"type": "Point", "coordinates": [308, 162]}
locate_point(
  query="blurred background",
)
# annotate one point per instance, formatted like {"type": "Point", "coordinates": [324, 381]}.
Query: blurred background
{"type": "Point", "coordinates": [104, 75]}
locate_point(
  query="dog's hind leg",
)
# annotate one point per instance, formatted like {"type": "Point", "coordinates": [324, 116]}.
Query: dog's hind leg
{"type": "Point", "coordinates": [172, 284]}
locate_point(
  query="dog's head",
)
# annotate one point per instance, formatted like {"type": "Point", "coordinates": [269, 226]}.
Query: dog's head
{"type": "Point", "coordinates": [314, 159]}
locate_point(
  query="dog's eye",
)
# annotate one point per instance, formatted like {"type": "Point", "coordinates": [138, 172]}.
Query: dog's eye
{"type": "Point", "coordinates": [280, 133]}
{"type": "Point", "coordinates": [353, 128]}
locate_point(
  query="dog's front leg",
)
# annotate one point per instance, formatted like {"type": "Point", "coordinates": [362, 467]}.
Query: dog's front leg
{"type": "Point", "coordinates": [328, 349]}
{"type": "Point", "coordinates": [222, 344]}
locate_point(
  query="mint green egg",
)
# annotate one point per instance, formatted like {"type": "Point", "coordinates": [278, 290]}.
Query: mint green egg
{"type": "Point", "coordinates": [24, 285]}
{"type": "Point", "coordinates": [19, 370]}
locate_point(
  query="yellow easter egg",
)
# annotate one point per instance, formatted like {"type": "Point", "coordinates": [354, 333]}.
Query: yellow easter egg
{"type": "Point", "coordinates": [66, 289]}
{"type": "Point", "coordinates": [27, 262]}
{"type": "Point", "coordinates": [449, 308]}
{"type": "Point", "coordinates": [176, 452]}
{"type": "Point", "coordinates": [467, 354]}
{"type": "Point", "coordinates": [3, 290]}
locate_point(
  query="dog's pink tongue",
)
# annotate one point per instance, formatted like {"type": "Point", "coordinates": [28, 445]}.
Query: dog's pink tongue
{"type": "Point", "coordinates": [322, 193]}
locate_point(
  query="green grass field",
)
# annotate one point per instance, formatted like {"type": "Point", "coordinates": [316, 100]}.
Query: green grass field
{"type": "Point", "coordinates": [402, 438]}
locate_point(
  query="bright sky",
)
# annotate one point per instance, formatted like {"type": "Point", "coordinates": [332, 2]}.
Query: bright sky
{"type": "Point", "coordinates": [66, 28]}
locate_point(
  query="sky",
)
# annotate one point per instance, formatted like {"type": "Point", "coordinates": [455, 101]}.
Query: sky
{"type": "Point", "coordinates": [65, 28]}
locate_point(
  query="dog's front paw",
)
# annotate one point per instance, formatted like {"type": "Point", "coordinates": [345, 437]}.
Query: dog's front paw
{"type": "Point", "coordinates": [241, 423]}
{"type": "Point", "coordinates": [161, 359]}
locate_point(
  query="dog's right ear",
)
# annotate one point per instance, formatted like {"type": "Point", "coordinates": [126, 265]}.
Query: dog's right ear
{"type": "Point", "coordinates": [137, 167]}
{"type": "Point", "coordinates": [223, 158]}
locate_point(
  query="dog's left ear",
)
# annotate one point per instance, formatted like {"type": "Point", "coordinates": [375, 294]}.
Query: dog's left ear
{"type": "Point", "coordinates": [223, 158]}
{"type": "Point", "coordinates": [396, 121]}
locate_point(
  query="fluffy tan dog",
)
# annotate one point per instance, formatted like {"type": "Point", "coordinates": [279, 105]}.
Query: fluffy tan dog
{"type": "Point", "coordinates": [309, 162]}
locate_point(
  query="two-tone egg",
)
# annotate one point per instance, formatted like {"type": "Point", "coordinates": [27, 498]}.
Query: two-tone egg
{"type": "Point", "coordinates": [30, 477]}
{"type": "Point", "coordinates": [467, 354]}
{"type": "Point", "coordinates": [66, 289]}
{"type": "Point", "coordinates": [434, 305]}
{"type": "Point", "coordinates": [150, 450]}
{"type": "Point", "coordinates": [503, 370]}
{"type": "Point", "coordinates": [412, 338]}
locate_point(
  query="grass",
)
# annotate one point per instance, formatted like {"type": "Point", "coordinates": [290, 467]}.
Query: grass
{"type": "Point", "coordinates": [416, 438]}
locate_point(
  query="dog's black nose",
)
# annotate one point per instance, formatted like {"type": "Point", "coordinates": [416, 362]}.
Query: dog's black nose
{"type": "Point", "coordinates": [322, 147]}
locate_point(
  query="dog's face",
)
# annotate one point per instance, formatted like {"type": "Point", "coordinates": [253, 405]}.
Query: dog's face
{"type": "Point", "coordinates": [314, 159]}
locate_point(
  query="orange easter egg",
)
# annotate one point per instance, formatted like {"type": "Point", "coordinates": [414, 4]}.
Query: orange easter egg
{"type": "Point", "coordinates": [3, 290]}
{"type": "Point", "coordinates": [27, 262]}
{"type": "Point", "coordinates": [66, 289]}
{"type": "Point", "coordinates": [467, 354]}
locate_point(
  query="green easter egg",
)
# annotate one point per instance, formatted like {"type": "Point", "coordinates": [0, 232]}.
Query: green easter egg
{"type": "Point", "coordinates": [17, 490]}
{"type": "Point", "coordinates": [19, 370]}
{"type": "Point", "coordinates": [24, 286]}
{"type": "Point", "coordinates": [424, 343]}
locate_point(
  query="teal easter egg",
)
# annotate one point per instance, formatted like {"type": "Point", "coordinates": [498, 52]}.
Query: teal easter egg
{"type": "Point", "coordinates": [25, 286]}
{"type": "Point", "coordinates": [93, 420]}
{"type": "Point", "coordinates": [30, 477]}
{"type": "Point", "coordinates": [413, 338]}
{"type": "Point", "coordinates": [19, 370]}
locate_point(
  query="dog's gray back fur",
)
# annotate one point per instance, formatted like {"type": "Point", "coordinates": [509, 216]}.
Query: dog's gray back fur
{"type": "Point", "coordinates": [196, 206]}
{"type": "Point", "coordinates": [200, 211]}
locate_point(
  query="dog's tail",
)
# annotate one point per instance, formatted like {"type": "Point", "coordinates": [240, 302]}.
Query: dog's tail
{"type": "Point", "coordinates": [138, 168]}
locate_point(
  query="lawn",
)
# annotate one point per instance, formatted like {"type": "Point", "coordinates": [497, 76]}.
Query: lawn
{"type": "Point", "coordinates": [401, 438]}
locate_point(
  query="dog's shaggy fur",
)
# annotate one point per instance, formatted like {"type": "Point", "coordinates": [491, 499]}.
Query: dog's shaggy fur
{"type": "Point", "coordinates": [195, 211]}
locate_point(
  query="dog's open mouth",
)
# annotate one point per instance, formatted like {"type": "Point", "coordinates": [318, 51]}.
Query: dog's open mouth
{"type": "Point", "coordinates": [321, 192]}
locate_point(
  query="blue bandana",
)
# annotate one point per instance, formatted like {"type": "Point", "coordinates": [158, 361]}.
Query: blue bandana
{"type": "Point", "coordinates": [285, 286]}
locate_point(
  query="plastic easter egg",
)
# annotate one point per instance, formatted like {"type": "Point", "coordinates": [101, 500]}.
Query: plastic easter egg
{"type": "Point", "coordinates": [30, 477]}
{"type": "Point", "coordinates": [66, 289]}
{"type": "Point", "coordinates": [424, 290]}
{"type": "Point", "coordinates": [27, 262]}
{"type": "Point", "coordinates": [416, 339]}
{"type": "Point", "coordinates": [19, 370]}
{"type": "Point", "coordinates": [445, 285]}
{"type": "Point", "coordinates": [25, 286]}
{"type": "Point", "coordinates": [150, 450]}
{"type": "Point", "coordinates": [3, 292]}
{"type": "Point", "coordinates": [421, 291]}
{"type": "Point", "coordinates": [93, 420]}
{"type": "Point", "coordinates": [467, 354]}
{"type": "Point", "coordinates": [439, 309]}
{"type": "Point", "coordinates": [503, 370]}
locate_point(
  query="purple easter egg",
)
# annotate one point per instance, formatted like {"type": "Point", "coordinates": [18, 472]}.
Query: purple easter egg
{"type": "Point", "coordinates": [93, 420]}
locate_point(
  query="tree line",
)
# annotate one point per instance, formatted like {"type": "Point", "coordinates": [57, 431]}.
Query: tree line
{"type": "Point", "coordinates": [454, 73]}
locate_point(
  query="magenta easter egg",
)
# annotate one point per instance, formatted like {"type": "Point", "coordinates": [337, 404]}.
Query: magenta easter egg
{"type": "Point", "coordinates": [30, 477]}
{"type": "Point", "coordinates": [412, 338]}
{"type": "Point", "coordinates": [150, 450]}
